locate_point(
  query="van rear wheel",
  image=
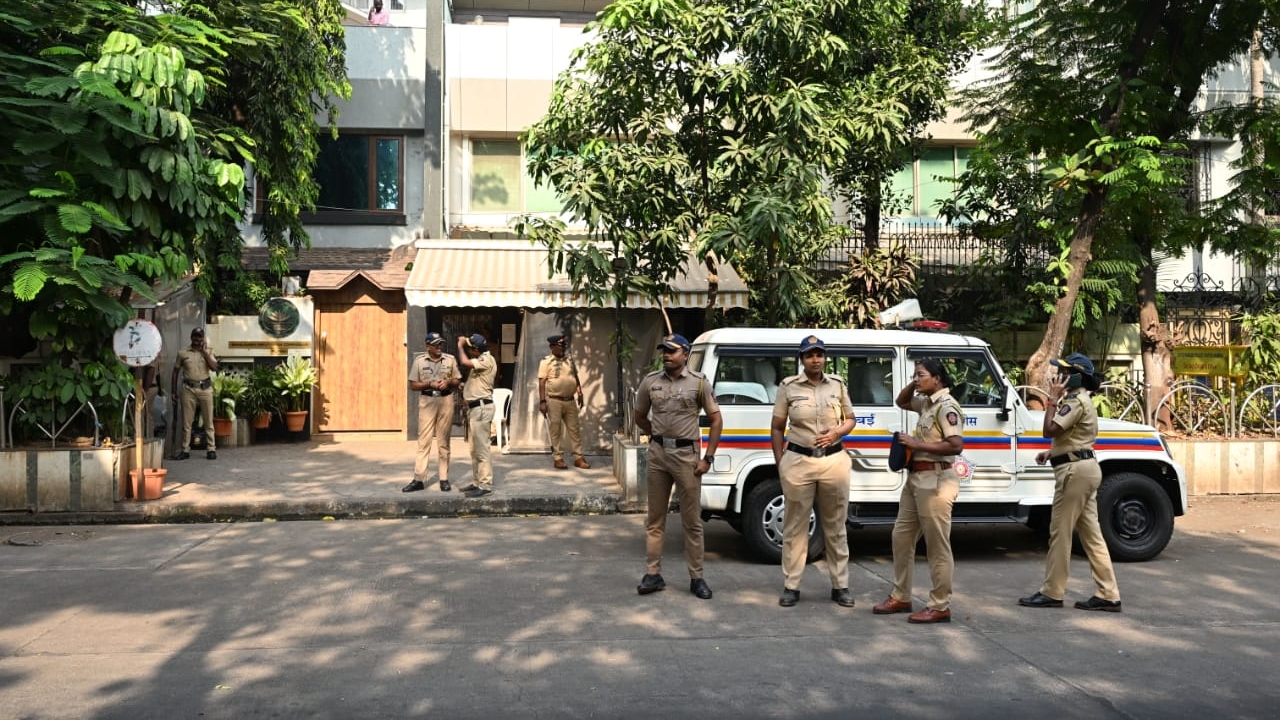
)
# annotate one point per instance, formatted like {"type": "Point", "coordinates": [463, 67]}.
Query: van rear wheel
{"type": "Point", "coordinates": [762, 512]}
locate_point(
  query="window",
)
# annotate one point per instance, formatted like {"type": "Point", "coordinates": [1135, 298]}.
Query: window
{"type": "Point", "coordinates": [926, 181]}
{"type": "Point", "coordinates": [500, 184]}
{"type": "Point", "coordinates": [869, 377]}
{"type": "Point", "coordinates": [751, 377]}
{"type": "Point", "coordinates": [360, 173]}
{"type": "Point", "coordinates": [974, 382]}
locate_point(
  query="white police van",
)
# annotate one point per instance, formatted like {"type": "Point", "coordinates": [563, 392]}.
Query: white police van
{"type": "Point", "coordinates": [1142, 488]}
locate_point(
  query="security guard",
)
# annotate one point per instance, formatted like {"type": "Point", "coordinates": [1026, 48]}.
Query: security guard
{"type": "Point", "coordinates": [559, 399]}
{"type": "Point", "coordinates": [926, 501]}
{"type": "Point", "coordinates": [477, 393]}
{"type": "Point", "coordinates": [667, 404]}
{"type": "Point", "coordinates": [814, 411]}
{"type": "Point", "coordinates": [434, 375]}
{"type": "Point", "coordinates": [196, 363]}
{"type": "Point", "coordinates": [1071, 421]}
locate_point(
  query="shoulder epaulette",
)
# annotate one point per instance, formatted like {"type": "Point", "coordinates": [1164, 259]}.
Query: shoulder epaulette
{"type": "Point", "coordinates": [837, 378]}
{"type": "Point", "coordinates": [697, 374]}
{"type": "Point", "coordinates": [791, 379]}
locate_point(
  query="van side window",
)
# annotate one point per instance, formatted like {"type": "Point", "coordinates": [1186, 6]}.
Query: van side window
{"type": "Point", "coordinates": [868, 376]}
{"type": "Point", "coordinates": [751, 378]}
{"type": "Point", "coordinates": [974, 382]}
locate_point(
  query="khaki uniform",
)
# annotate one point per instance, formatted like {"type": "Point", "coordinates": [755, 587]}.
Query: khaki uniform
{"type": "Point", "coordinates": [435, 412]}
{"type": "Point", "coordinates": [924, 507]}
{"type": "Point", "coordinates": [562, 407]}
{"type": "Point", "coordinates": [477, 393]}
{"type": "Point", "coordinates": [812, 409]}
{"type": "Point", "coordinates": [197, 391]}
{"type": "Point", "coordinates": [672, 407]}
{"type": "Point", "coordinates": [1075, 502]}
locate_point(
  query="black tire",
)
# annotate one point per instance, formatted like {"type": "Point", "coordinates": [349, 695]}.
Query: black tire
{"type": "Point", "coordinates": [762, 524]}
{"type": "Point", "coordinates": [1136, 516]}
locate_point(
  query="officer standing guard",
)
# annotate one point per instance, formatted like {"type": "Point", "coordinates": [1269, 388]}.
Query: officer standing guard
{"type": "Point", "coordinates": [195, 363]}
{"type": "Point", "coordinates": [814, 411]}
{"type": "Point", "coordinates": [667, 404]}
{"type": "Point", "coordinates": [434, 375]}
{"type": "Point", "coordinates": [559, 399]}
{"type": "Point", "coordinates": [477, 393]}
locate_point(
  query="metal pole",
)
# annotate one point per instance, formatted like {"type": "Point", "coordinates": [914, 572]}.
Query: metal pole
{"type": "Point", "coordinates": [620, 266]}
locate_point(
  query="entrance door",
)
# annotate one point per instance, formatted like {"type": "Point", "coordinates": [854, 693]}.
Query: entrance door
{"type": "Point", "coordinates": [360, 336]}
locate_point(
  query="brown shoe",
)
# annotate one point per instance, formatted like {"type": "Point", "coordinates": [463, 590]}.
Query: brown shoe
{"type": "Point", "coordinates": [561, 466]}
{"type": "Point", "coordinates": [891, 606]}
{"type": "Point", "coordinates": [582, 463]}
{"type": "Point", "coordinates": [929, 615]}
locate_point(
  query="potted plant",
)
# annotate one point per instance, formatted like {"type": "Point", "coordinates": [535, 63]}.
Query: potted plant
{"type": "Point", "coordinates": [227, 391]}
{"type": "Point", "coordinates": [261, 397]}
{"type": "Point", "coordinates": [294, 379]}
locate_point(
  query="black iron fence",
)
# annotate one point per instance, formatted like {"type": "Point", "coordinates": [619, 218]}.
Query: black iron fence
{"type": "Point", "coordinates": [939, 248]}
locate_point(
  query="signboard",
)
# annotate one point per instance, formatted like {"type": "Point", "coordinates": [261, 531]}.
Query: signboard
{"type": "Point", "coordinates": [137, 344]}
{"type": "Point", "coordinates": [1207, 361]}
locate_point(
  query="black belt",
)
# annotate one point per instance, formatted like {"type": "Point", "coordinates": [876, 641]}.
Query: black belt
{"type": "Point", "coordinates": [434, 393]}
{"type": "Point", "coordinates": [478, 403]}
{"type": "Point", "coordinates": [671, 442]}
{"type": "Point", "coordinates": [202, 384]}
{"type": "Point", "coordinates": [566, 398]}
{"type": "Point", "coordinates": [1073, 456]}
{"type": "Point", "coordinates": [816, 452]}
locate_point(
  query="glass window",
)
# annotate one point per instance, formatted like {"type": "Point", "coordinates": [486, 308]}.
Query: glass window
{"type": "Point", "coordinates": [869, 378]}
{"type": "Point", "coordinates": [500, 183]}
{"type": "Point", "coordinates": [359, 172]}
{"type": "Point", "coordinates": [925, 182]}
{"type": "Point", "coordinates": [752, 378]}
{"type": "Point", "coordinates": [974, 380]}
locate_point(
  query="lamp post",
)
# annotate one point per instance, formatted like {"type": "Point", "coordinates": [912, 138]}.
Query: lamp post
{"type": "Point", "coordinates": [620, 267]}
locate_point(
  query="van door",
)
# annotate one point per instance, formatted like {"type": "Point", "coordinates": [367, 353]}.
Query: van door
{"type": "Point", "coordinates": [868, 374]}
{"type": "Point", "coordinates": [978, 386]}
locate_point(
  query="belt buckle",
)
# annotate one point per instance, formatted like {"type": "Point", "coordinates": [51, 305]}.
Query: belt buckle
{"type": "Point", "coordinates": [819, 452]}
{"type": "Point", "coordinates": [669, 443]}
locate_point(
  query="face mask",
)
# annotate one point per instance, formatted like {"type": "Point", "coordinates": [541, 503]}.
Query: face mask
{"type": "Point", "coordinates": [1075, 380]}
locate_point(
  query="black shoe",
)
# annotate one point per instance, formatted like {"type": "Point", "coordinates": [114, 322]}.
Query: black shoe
{"type": "Point", "coordinates": [1039, 600]}
{"type": "Point", "coordinates": [842, 596]}
{"type": "Point", "coordinates": [470, 487]}
{"type": "Point", "coordinates": [1097, 603]}
{"type": "Point", "coordinates": [445, 486]}
{"type": "Point", "coordinates": [789, 597]}
{"type": "Point", "coordinates": [182, 456]}
{"type": "Point", "coordinates": [699, 587]}
{"type": "Point", "coordinates": [212, 455]}
{"type": "Point", "coordinates": [651, 584]}
{"type": "Point", "coordinates": [478, 492]}
{"type": "Point", "coordinates": [414, 486]}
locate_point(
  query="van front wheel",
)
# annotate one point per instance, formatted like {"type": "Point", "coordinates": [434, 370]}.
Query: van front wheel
{"type": "Point", "coordinates": [762, 523]}
{"type": "Point", "coordinates": [1136, 516]}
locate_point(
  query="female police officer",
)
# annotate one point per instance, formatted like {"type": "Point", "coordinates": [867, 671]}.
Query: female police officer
{"type": "Point", "coordinates": [930, 492]}
{"type": "Point", "coordinates": [814, 411]}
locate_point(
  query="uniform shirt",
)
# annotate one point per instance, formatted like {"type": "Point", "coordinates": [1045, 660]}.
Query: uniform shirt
{"type": "Point", "coordinates": [812, 409]}
{"type": "Point", "coordinates": [1077, 416]}
{"type": "Point", "coordinates": [479, 385]}
{"type": "Point", "coordinates": [672, 405]}
{"type": "Point", "coordinates": [940, 418]}
{"type": "Point", "coordinates": [560, 374]}
{"type": "Point", "coordinates": [191, 363]}
{"type": "Point", "coordinates": [425, 369]}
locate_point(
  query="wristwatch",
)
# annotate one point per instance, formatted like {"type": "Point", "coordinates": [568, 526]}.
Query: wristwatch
{"type": "Point", "coordinates": [709, 458]}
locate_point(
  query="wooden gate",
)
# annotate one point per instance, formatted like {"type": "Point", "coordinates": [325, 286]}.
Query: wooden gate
{"type": "Point", "coordinates": [360, 335]}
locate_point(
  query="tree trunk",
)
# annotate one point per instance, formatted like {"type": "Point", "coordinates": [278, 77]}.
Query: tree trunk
{"type": "Point", "coordinates": [871, 216]}
{"type": "Point", "coordinates": [713, 290]}
{"type": "Point", "coordinates": [1157, 342]}
{"type": "Point", "coordinates": [1078, 257]}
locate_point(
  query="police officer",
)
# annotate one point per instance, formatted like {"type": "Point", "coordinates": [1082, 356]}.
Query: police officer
{"type": "Point", "coordinates": [559, 399]}
{"type": "Point", "coordinates": [1071, 421]}
{"type": "Point", "coordinates": [667, 404]}
{"type": "Point", "coordinates": [814, 411]}
{"type": "Point", "coordinates": [434, 375]}
{"type": "Point", "coordinates": [926, 501]}
{"type": "Point", "coordinates": [477, 393]}
{"type": "Point", "coordinates": [195, 363]}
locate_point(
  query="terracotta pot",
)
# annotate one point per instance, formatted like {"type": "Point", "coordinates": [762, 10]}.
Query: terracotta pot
{"type": "Point", "coordinates": [295, 420]}
{"type": "Point", "coordinates": [262, 421]}
{"type": "Point", "coordinates": [152, 484]}
{"type": "Point", "coordinates": [221, 427]}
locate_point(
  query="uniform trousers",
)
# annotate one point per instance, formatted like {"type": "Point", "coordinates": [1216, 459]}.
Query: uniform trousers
{"type": "Point", "coordinates": [480, 419]}
{"type": "Point", "coordinates": [925, 509]}
{"type": "Point", "coordinates": [435, 423]}
{"type": "Point", "coordinates": [1075, 507]}
{"type": "Point", "coordinates": [673, 467]}
{"type": "Point", "coordinates": [803, 480]}
{"type": "Point", "coordinates": [563, 415]}
{"type": "Point", "coordinates": [191, 398]}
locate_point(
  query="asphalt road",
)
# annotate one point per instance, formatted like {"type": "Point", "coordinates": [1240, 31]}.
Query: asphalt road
{"type": "Point", "coordinates": [538, 617]}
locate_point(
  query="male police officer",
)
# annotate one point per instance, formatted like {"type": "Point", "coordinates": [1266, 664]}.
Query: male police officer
{"type": "Point", "coordinates": [477, 393]}
{"type": "Point", "coordinates": [434, 375]}
{"type": "Point", "coordinates": [667, 404]}
{"type": "Point", "coordinates": [559, 398]}
{"type": "Point", "coordinates": [195, 363]}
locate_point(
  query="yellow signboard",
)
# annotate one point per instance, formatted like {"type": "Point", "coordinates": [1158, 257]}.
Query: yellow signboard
{"type": "Point", "coordinates": [1215, 361]}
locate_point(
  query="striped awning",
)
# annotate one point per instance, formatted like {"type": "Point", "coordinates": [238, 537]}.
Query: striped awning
{"type": "Point", "coordinates": [513, 273]}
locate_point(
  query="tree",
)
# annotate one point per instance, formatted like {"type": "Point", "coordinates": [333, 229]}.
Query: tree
{"type": "Point", "coordinates": [723, 125]}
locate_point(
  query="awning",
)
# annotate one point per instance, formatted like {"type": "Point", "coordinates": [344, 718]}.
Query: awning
{"type": "Point", "coordinates": [513, 273]}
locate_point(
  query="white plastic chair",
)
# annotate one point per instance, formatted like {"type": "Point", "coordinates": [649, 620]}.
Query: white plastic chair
{"type": "Point", "coordinates": [500, 429]}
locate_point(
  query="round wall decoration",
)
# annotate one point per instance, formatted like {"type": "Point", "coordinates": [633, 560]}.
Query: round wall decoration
{"type": "Point", "coordinates": [278, 317]}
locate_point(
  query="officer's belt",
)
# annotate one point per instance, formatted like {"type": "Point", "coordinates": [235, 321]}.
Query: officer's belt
{"type": "Point", "coordinates": [478, 403]}
{"type": "Point", "coordinates": [434, 393]}
{"type": "Point", "coordinates": [560, 397]}
{"type": "Point", "coordinates": [1073, 456]}
{"type": "Point", "coordinates": [667, 442]}
{"type": "Point", "coordinates": [816, 452]}
{"type": "Point", "coordinates": [202, 384]}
